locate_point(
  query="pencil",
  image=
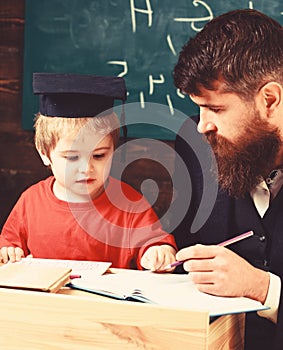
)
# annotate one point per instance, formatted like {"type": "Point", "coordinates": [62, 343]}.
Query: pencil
{"type": "Point", "coordinates": [223, 244]}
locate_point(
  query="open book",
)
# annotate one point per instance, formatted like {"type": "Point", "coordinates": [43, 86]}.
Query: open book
{"type": "Point", "coordinates": [170, 290]}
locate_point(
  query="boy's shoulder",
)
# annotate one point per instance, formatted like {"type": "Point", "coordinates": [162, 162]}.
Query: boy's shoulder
{"type": "Point", "coordinates": [125, 197]}
{"type": "Point", "coordinates": [40, 186]}
{"type": "Point", "coordinates": [128, 190]}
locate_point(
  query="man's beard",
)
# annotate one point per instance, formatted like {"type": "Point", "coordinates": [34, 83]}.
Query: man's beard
{"type": "Point", "coordinates": [244, 164]}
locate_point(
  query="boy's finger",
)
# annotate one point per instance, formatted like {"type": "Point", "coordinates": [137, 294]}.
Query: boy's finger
{"type": "Point", "coordinates": [4, 254]}
{"type": "Point", "coordinates": [11, 254]}
{"type": "Point", "coordinates": [19, 253]}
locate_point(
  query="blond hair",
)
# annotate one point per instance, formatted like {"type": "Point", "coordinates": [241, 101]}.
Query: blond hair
{"type": "Point", "coordinates": [49, 130]}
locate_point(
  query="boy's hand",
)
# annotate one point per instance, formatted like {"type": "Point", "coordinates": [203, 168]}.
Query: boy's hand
{"type": "Point", "coordinates": [157, 257]}
{"type": "Point", "coordinates": [11, 253]}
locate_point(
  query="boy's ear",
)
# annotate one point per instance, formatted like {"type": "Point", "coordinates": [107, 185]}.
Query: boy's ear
{"type": "Point", "coordinates": [44, 158]}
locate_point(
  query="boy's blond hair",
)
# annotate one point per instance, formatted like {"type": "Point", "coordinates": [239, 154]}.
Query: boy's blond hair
{"type": "Point", "coordinates": [49, 130]}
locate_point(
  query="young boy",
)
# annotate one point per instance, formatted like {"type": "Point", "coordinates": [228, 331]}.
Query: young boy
{"type": "Point", "coordinates": [81, 212]}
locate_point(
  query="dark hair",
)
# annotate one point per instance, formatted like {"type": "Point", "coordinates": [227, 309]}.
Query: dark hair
{"type": "Point", "coordinates": [241, 48]}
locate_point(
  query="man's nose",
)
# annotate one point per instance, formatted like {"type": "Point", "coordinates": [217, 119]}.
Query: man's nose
{"type": "Point", "coordinates": [205, 124]}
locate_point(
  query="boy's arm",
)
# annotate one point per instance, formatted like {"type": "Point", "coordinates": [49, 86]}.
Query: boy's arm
{"type": "Point", "coordinates": [14, 232]}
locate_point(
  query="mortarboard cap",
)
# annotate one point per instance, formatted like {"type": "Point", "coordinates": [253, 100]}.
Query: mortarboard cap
{"type": "Point", "coordinates": [74, 95]}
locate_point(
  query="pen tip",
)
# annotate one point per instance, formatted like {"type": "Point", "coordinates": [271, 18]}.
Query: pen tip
{"type": "Point", "coordinates": [167, 267]}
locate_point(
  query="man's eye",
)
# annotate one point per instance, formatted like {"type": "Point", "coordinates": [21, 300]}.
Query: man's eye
{"type": "Point", "coordinates": [214, 110]}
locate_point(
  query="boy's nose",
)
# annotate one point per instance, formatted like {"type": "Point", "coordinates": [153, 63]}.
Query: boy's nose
{"type": "Point", "coordinates": [85, 166]}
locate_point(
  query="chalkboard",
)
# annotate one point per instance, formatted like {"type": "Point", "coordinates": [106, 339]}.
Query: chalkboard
{"type": "Point", "coordinates": [138, 40]}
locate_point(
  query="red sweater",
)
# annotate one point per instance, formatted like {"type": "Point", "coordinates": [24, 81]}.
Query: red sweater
{"type": "Point", "coordinates": [118, 226]}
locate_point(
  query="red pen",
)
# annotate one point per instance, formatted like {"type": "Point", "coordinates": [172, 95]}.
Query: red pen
{"type": "Point", "coordinates": [223, 244]}
{"type": "Point", "coordinates": [75, 276]}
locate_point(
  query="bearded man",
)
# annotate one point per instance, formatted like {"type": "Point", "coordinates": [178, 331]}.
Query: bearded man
{"type": "Point", "coordinates": [233, 70]}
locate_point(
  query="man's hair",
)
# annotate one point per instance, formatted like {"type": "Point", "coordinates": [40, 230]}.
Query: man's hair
{"type": "Point", "coordinates": [49, 130]}
{"type": "Point", "coordinates": [242, 49]}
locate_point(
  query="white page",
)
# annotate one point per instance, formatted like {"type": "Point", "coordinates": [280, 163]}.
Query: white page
{"type": "Point", "coordinates": [172, 290]}
{"type": "Point", "coordinates": [79, 267]}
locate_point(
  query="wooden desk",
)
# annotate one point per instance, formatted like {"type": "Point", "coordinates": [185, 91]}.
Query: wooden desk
{"type": "Point", "coordinates": [76, 320]}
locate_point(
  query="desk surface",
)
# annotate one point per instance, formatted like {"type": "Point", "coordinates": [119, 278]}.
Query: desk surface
{"type": "Point", "coordinates": [73, 319]}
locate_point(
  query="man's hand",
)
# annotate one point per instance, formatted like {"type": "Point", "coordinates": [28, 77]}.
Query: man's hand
{"type": "Point", "coordinates": [157, 257]}
{"type": "Point", "coordinates": [11, 253]}
{"type": "Point", "coordinates": [219, 271]}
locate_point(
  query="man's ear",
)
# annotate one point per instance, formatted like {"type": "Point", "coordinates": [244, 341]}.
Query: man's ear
{"type": "Point", "coordinates": [44, 158]}
{"type": "Point", "coordinates": [272, 94]}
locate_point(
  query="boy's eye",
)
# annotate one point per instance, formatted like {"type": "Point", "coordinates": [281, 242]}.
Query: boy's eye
{"type": "Point", "coordinates": [98, 156]}
{"type": "Point", "coordinates": [71, 158]}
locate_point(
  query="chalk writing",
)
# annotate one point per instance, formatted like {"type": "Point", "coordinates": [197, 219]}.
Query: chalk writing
{"type": "Point", "coordinates": [138, 40]}
{"type": "Point", "coordinates": [170, 44]}
{"type": "Point", "coordinates": [199, 19]}
{"type": "Point", "coordinates": [135, 9]}
{"type": "Point", "coordinates": [155, 81]}
{"type": "Point", "coordinates": [124, 64]}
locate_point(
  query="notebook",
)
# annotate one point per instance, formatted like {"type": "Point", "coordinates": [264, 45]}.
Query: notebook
{"type": "Point", "coordinates": [170, 290]}
{"type": "Point", "coordinates": [36, 278]}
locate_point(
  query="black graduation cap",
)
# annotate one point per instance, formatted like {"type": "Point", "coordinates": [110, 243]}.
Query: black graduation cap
{"type": "Point", "coordinates": [75, 95]}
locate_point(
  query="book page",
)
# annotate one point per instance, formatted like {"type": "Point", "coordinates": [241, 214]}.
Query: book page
{"type": "Point", "coordinates": [79, 267]}
{"type": "Point", "coordinates": [172, 290]}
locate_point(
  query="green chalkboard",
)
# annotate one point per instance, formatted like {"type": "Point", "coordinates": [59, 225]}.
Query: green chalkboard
{"type": "Point", "coordinates": [136, 39]}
